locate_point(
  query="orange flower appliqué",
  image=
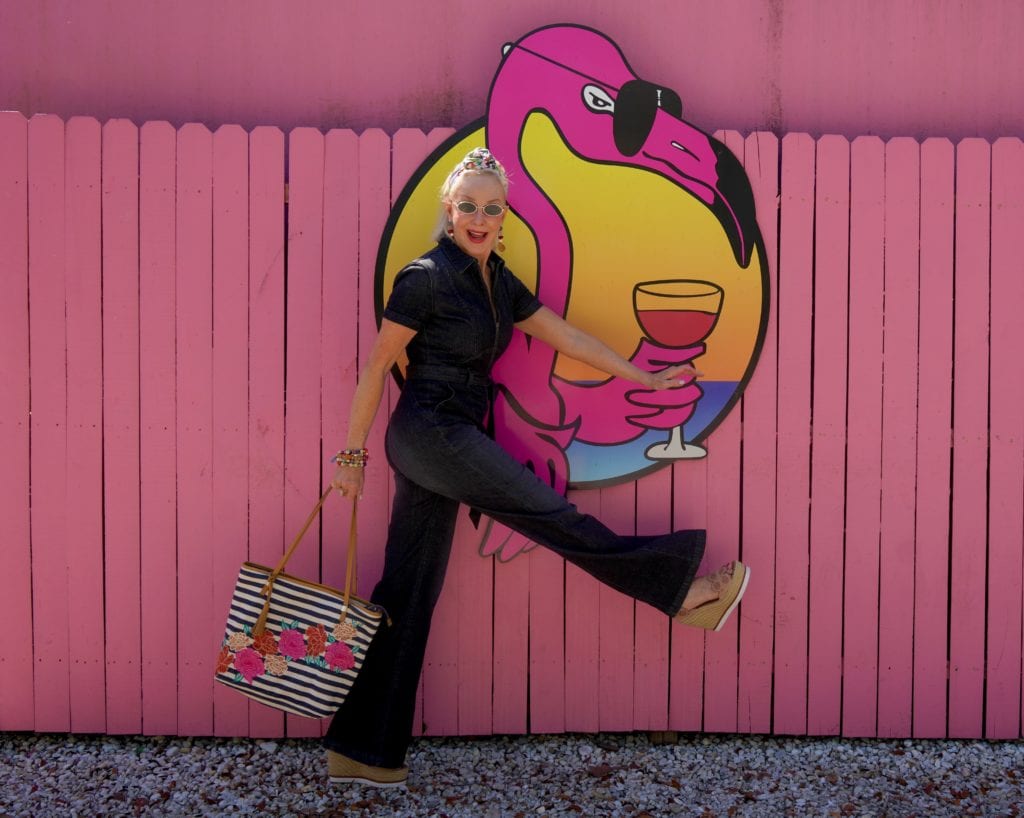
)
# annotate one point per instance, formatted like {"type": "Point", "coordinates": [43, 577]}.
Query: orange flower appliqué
{"type": "Point", "coordinates": [224, 660]}
{"type": "Point", "coordinates": [265, 644]}
{"type": "Point", "coordinates": [316, 640]}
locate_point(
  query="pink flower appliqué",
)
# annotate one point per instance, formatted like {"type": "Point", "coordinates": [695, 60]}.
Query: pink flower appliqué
{"type": "Point", "coordinates": [339, 656]}
{"type": "Point", "coordinates": [291, 644]}
{"type": "Point", "coordinates": [249, 664]}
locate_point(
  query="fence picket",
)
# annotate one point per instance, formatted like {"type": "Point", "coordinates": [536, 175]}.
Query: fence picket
{"type": "Point", "coordinates": [16, 660]}
{"type": "Point", "coordinates": [158, 427]}
{"type": "Point", "coordinates": [197, 633]}
{"type": "Point", "coordinates": [84, 459]}
{"type": "Point", "coordinates": [863, 460]}
{"type": "Point", "coordinates": [761, 160]}
{"type": "Point", "coordinates": [970, 422]}
{"type": "Point", "coordinates": [230, 400]}
{"type": "Point", "coordinates": [796, 265]}
{"type": "Point", "coordinates": [899, 437]}
{"type": "Point", "coordinates": [266, 368]}
{"type": "Point", "coordinates": [828, 439]}
{"type": "Point", "coordinates": [47, 375]}
{"type": "Point", "coordinates": [1006, 446]}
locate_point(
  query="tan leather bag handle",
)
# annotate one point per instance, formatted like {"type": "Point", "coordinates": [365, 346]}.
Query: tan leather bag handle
{"type": "Point", "coordinates": [350, 568]}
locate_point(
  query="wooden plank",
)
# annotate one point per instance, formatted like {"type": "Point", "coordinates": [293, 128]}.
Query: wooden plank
{"type": "Point", "coordinates": [863, 462]}
{"type": "Point", "coordinates": [899, 438]}
{"type": "Point", "coordinates": [374, 205]}
{"type": "Point", "coordinates": [686, 660]}
{"type": "Point", "coordinates": [761, 161]}
{"type": "Point", "coordinates": [157, 426]}
{"type": "Point", "coordinates": [547, 641]}
{"type": "Point", "coordinates": [230, 403]}
{"type": "Point", "coordinates": [47, 374]}
{"type": "Point", "coordinates": [721, 654]}
{"type": "Point", "coordinates": [617, 621]}
{"type": "Point", "coordinates": [721, 657]}
{"type": "Point", "coordinates": [651, 650]}
{"type": "Point", "coordinates": [828, 439]}
{"type": "Point", "coordinates": [511, 656]}
{"type": "Point", "coordinates": [934, 421]}
{"type": "Point", "coordinates": [194, 384]}
{"type": "Point", "coordinates": [121, 423]}
{"type": "Point", "coordinates": [1006, 446]}
{"type": "Point", "coordinates": [302, 358]}
{"type": "Point", "coordinates": [582, 634]}
{"type": "Point", "coordinates": [339, 334]}
{"type": "Point", "coordinates": [794, 433]}
{"type": "Point", "coordinates": [970, 424]}
{"type": "Point", "coordinates": [16, 665]}
{"type": "Point", "coordinates": [266, 367]}
{"type": "Point", "coordinates": [84, 458]}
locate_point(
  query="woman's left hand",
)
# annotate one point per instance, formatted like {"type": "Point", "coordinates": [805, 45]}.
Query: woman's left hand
{"type": "Point", "coordinates": [672, 377]}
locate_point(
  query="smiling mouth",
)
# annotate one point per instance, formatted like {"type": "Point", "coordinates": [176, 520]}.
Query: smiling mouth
{"type": "Point", "coordinates": [475, 235]}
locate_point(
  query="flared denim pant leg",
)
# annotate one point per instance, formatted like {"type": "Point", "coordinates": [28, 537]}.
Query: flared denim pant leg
{"type": "Point", "coordinates": [441, 460]}
{"type": "Point", "coordinates": [374, 725]}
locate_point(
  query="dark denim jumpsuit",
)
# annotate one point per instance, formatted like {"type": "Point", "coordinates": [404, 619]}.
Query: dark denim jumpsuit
{"type": "Point", "coordinates": [437, 444]}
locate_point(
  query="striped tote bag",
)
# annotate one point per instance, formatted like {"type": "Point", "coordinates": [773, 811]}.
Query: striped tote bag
{"type": "Point", "coordinates": [292, 644]}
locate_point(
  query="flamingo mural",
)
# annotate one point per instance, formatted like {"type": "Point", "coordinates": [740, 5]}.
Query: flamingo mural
{"type": "Point", "coordinates": [577, 84]}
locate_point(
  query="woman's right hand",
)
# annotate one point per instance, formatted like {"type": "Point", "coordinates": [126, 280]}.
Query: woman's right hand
{"type": "Point", "coordinates": [349, 480]}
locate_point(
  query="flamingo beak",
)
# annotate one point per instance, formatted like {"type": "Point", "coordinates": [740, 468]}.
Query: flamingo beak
{"type": "Point", "coordinates": [707, 169]}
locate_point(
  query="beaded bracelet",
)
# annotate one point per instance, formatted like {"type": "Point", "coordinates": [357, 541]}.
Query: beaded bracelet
{"type": "Point", "coordinates": [356, 458]}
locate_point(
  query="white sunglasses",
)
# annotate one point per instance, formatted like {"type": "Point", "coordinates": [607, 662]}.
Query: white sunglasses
{"type": "Point", "coordinates": [492, 209]}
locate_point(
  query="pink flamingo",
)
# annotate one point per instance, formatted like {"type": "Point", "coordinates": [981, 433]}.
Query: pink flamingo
{"type": "Point", "coordinates": [604, 113]}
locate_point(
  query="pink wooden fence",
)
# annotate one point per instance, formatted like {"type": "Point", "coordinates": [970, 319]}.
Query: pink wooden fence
{"type": "Point", "coordinates": [180, 336]}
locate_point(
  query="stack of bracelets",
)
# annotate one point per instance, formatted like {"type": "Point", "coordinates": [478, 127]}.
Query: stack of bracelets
{"type": "Point", "coordinates": [356, 458]}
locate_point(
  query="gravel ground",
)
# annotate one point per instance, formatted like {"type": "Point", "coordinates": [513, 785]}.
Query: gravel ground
{"type": "Point", "coordinates": [571, 775]}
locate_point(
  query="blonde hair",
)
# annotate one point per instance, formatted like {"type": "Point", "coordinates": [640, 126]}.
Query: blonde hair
{"type": "Point", "coordinates": [478, 160]}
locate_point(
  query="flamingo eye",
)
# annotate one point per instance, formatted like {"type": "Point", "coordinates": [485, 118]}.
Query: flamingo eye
{"type": "Point", "coordinates": [597, 99]}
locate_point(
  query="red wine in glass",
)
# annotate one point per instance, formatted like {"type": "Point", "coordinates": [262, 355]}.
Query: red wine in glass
{"type": "Point", "coordinates": [677, 313]}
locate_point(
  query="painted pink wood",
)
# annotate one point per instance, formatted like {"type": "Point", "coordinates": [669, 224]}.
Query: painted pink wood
{"type": "Point", "coordinates": [616, 616]}
{"type": "Point", "coordinates": [794, 434]}
{"type": "Point", "coordinates": [338, 358]}
{"type": "Point", "coordinates": [686, 659]}
{"type": "Point", "coordinates": [547, 641]}
{"type": "Point", "coordinates": [899, 437]}
{"type": "Point", "coordinates": [266, 368]}
{"type": "Point", "coordinates": [864, 431]}
{"type": "Point", "coordinates": [511, 652]}
{"type": "Point", "coordinates": [828, 437]}
{"type": "Point", "coordinates": [935, 361]}
{"type": "Point", "coordinates": [721, 671]}
{"type": "Point", "coordinates": [878, 66]}
{"type": "Point", "coordinates": [121, 424]}
{"type": "Point", "coordinates": [84, 459]}
{"type": "Point", "coordinates": [1006, 446]}
{"type": "Point", "coordinates": [864, 437]}
{"type": "Point", "coordinates": [157, 428]}
{"type": "Point", "coordinates": [582, 634]}
{"type": "Point", "coordinates": [16, 662]}
{"type": "Point", "coordinates": [230, 398]}
{"type": "Point", "coordinates": [47, 260]}
{"type": "Point", "coordinates": [474, 631]}
{"type": "Point", "coordinates": [197, 614]}
{"type": "Point", "coordinates": [761, 161]}
{"type": "Point", "coordinates": [970, 422]}
{"type": "Point", "coordinates": [374, 193]}
{"type": "Point", "coordinates": [302, 453]}
{"type": "Point", "coordinates": [651, 639]}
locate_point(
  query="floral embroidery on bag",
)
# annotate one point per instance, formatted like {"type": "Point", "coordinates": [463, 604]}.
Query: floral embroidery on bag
{"type": "Point", "coordinates": [251, 657]}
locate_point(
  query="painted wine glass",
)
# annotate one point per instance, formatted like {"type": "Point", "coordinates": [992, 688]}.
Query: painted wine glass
{"type": "Point", "coordinates": [677, 313]}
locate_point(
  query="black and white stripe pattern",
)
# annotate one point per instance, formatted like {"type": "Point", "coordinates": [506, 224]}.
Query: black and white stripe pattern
{"type": "Point", "coordinates": [306, 689]}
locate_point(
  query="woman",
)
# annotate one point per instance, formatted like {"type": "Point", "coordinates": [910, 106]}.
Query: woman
{"type": "Point", "coordinates": [452, 312]}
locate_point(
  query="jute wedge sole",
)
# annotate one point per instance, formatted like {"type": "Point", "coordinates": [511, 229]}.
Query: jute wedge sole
{"type": "Point", "coordinates": [344, 770]}
{"type": "Point", "coordinates": [713, 615]}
